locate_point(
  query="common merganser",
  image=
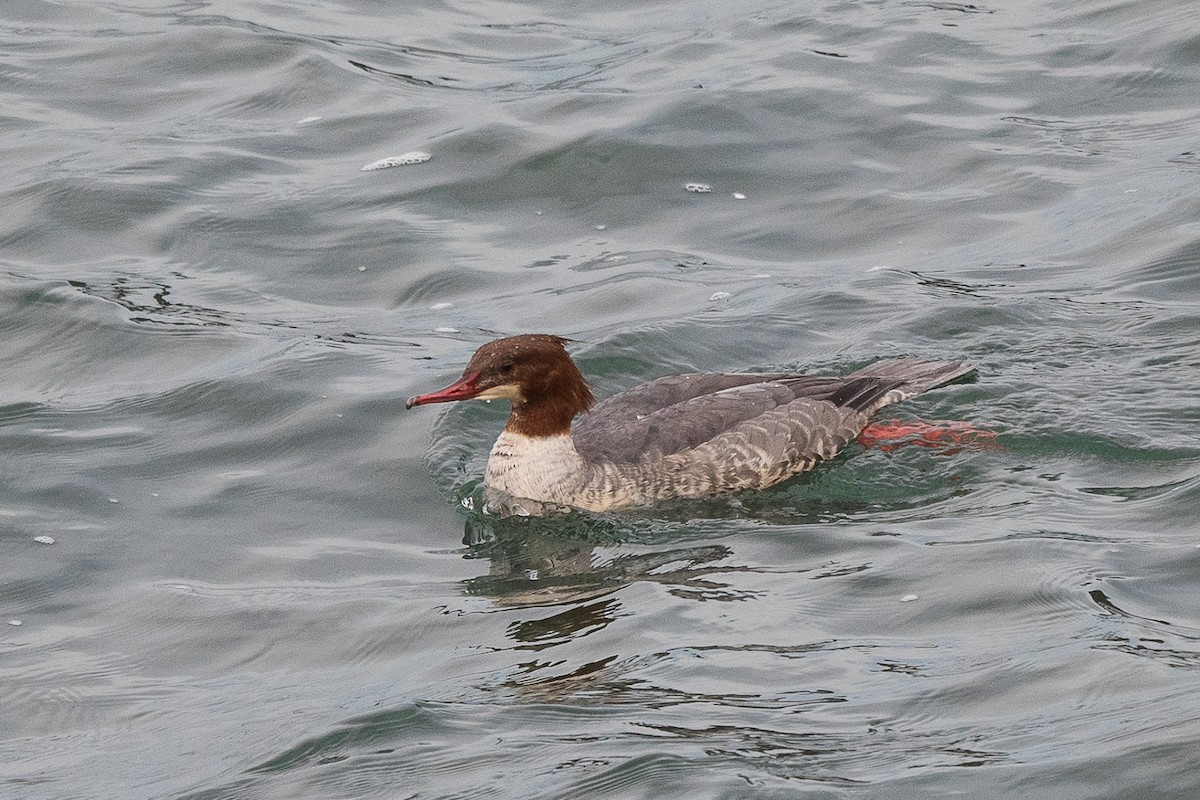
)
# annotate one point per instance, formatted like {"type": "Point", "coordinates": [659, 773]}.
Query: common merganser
{"type": "Point", "coordinates": [681, 436]}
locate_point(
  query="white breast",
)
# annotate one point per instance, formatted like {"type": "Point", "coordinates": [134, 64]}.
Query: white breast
{"type": "Point", "coordinates": [546, 468]}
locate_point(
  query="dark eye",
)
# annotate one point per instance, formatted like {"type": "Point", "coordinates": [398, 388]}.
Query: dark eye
{"type": "Point", "coordinates": [506, 367]}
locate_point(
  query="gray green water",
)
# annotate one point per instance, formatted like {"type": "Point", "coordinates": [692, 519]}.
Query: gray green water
{"type": "Point", "coordinates": [263, 581]}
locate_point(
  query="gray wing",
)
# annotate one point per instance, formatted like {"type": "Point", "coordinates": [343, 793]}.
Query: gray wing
{"type": "Point", "coordinates": [681, 412]}
{"type": "Point", "coordinates": [767, 449]}
{"type": "Point", "coordinates": [795, 436]}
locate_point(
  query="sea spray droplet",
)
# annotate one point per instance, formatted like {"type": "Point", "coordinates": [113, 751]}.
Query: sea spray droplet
{"type": "Point", "coordinates": [408, 159]}
{"type": "Point", "coordinates": [698, 188]}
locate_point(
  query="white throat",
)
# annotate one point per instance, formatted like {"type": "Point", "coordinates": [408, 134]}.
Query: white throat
{"type": "Point", "coordinates": [546, 468]}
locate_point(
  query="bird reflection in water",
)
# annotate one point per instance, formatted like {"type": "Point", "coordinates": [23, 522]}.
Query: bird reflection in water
{"type": "Point", "coordinates": [557, 561]}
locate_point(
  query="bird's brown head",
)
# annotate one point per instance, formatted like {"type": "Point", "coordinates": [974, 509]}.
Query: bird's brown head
{"type": "Point", "coordinates": [533, 372]}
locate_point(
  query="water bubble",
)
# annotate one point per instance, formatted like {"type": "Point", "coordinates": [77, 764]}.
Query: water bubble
{"type": "Point", "coordinates": [698, 188]}
{"type": "Point", "coordinates": [44, 539]}
{"type": "Point", "coordinates": [362, 269]}
{"type": "Point", "coordinates": [308, 120]}
{"type": "Point", "coordinates": [408, 159]}
{"type": "Point", "coordinates": [739, 196]}
{"type": "Point", "coordinates": [908, 598]}
{"type": "Point", "coordinates": [440, 306]}
{"type": "Point", "coordinates": [717, 297]}
{"type": "Point", "coordinates": [445, 330]}
{"type": "Point", "coordinates": [16, 623]}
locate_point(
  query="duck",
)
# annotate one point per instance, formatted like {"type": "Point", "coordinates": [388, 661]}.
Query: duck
{"type": "Point", "coordinates": [684, 436]}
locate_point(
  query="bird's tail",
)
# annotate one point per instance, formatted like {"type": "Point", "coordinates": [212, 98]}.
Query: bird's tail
{"type": "Point", "coordinates": [897, 379]}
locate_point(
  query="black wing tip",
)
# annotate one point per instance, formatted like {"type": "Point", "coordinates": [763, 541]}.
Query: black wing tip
{"type": "Point", "coordinates": [860, 393]}
{"type": "Point", "coordinates": [913, 376]}
{"type": "Point", "coordinates": [911, 370]}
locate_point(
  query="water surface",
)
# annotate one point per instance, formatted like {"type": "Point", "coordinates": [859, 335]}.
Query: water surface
{"type": "Point", "coordinates": [265, 580]}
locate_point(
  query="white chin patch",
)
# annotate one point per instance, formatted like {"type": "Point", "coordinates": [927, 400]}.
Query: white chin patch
{"type": "Point", "coordinates": [507, 391]}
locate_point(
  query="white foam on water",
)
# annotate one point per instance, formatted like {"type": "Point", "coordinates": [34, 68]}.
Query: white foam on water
{"type": "Point", "coordinates": [406, 160]}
